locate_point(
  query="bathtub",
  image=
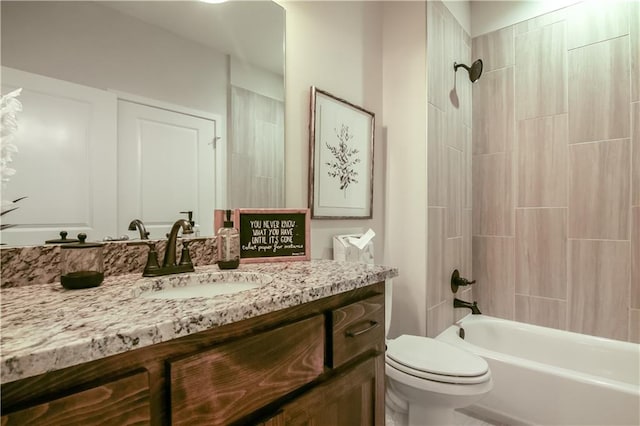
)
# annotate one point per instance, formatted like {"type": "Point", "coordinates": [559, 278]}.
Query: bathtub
{"type": "Point", "coordinates": [544, 376]}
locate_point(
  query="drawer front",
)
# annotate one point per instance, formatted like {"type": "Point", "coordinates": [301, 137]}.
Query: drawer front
{"type": "Point", "coordinates": [120, 402]}
{"type": "Point", "coordinates": [228, 382]}
{"type": "Point", "coordinates": [355, 329]}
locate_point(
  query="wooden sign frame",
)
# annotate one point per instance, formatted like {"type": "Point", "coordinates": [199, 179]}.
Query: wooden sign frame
{"type": "Point", "coordinates": [269, 231]}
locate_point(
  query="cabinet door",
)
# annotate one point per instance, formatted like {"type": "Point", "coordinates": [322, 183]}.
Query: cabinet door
{"type": "Point", "coordinates": [120, 402]}
{"type": "Point", "coordinates": [231, 381]}
{"type": "Point", "coordinates": [354, 397]}
{"type": "Point", "coordinates": [356, 329]}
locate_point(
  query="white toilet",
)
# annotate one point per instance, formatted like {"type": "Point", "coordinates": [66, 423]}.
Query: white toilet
{"type": "Point", "coordinates": [427, 379]}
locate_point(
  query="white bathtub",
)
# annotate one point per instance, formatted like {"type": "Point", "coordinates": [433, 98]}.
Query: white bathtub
{"type": "Point", "coordinates": [544, 376]}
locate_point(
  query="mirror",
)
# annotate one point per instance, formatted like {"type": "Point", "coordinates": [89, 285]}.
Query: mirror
{"type": "Point", "coordinates": [223, 63]}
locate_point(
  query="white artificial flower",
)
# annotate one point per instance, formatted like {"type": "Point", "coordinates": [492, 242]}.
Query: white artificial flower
{"type": "Point", "coordinates": [9, 107]}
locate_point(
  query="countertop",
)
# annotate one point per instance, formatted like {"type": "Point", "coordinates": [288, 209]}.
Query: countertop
{"type": "Point", "coordinates": [45, 327]}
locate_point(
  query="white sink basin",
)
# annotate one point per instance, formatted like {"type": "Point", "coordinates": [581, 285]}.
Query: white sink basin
{"type": "Point", "coordinates": [209, 284]}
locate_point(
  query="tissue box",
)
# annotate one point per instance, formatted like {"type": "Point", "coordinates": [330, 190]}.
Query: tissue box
{"type": "Point", "coordinates": [345, 251]}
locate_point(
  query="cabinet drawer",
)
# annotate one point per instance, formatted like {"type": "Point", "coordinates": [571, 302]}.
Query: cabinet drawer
{"type": "Point", "coordinates": [228, 382]}
{"type": "Point", "coordinates": [120, 402]}
{"type": "Point", "coordinates": [355, 329]}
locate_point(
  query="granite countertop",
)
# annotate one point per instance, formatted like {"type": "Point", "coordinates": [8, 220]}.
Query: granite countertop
{"type": "Point", "coordinates": [45, 327]}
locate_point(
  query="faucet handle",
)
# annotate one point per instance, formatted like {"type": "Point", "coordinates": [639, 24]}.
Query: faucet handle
{"type": "Point", "coordinates": [185, 257]}
{"type": "Point", "coordinates": [458, 281]}
{"type": "Point", "coordinates": [152, 260]}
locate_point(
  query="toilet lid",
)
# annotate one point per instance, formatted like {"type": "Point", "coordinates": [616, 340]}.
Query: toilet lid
{"type": "Point", "coordinates": [435, 358]}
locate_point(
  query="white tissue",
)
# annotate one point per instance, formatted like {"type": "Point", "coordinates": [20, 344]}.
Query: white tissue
{"type": "Point", "coordinates": [363, 240]}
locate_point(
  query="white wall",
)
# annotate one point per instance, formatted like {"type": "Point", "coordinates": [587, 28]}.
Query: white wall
{"type": "Point", "coordinates": [335, 46]}
{"type": "Point", "coordinates": [96, 46]}
{"type": "Point", "coordinates": [405, 116]}
{"type": "Point", "coordinates": [255, 79]}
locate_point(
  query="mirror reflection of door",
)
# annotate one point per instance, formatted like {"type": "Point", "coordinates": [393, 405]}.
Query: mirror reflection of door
{"type": "Point", "coordinates": [66, 160]}
{"type": "Point", "coordinates": [167, 163]}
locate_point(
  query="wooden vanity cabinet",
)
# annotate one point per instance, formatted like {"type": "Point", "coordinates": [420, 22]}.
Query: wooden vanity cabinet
{"type": "Point", "coordinates": [123, 401]}
{"type": "Point", "coordinates": [319, 363]}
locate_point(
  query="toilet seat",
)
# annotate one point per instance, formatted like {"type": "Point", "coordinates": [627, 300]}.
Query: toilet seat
{"type": "Point", "coordinates": [437, 361]}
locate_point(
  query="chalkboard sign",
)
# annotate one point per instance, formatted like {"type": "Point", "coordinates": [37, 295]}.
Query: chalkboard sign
{"type": "Point", "coordinates": [271, 235]}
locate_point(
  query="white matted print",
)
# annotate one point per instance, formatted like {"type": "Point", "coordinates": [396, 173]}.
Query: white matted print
{"type": "Point", "coordinates": [340, 158]}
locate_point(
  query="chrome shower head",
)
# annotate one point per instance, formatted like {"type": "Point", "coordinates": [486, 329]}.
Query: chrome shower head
{"type": "Point", "coordinates": [475, 71]}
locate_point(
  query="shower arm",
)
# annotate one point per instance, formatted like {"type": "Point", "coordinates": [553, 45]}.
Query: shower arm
{"type": "Point", "coordinates": [457, 65]}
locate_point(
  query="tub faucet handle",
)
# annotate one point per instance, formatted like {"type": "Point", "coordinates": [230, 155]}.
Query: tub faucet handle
{"type": "Point", "coordinates": [458, 281]}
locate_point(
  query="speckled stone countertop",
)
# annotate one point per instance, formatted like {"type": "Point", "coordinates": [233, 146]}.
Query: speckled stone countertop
{"type": "Point", "coordinates": [45, 327]}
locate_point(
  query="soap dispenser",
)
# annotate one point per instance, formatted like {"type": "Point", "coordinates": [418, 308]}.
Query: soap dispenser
{"type": "Point", "coordinates": [228, 240]}
{"type": "Point", "coordinates": [194, 226]}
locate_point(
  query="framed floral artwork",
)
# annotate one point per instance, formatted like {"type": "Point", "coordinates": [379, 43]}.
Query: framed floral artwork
{"type": "Point", "coordinates": [340, 158]}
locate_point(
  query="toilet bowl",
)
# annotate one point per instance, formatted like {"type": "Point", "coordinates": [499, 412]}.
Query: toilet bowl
{"type": "Point", "coordinates": [428, 379]}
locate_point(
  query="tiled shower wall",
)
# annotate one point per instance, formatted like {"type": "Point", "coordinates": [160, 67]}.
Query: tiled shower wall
{"type": "Point", "coordinates": [448, 165]}
{"type": "Point", "coordinates": [556, 170]}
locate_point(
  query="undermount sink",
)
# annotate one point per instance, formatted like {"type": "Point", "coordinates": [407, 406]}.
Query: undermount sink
{"type": "Point", "coordinates": [209, 284]}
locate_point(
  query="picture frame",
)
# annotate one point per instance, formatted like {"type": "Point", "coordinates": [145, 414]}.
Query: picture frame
{"type": "Point", "coordinates": [341, 147]}
{"type": "Point", "coordinates": [271, 235]}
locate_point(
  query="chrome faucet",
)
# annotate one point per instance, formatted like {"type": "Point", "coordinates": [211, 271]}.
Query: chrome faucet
{"type": "Point", "coordinates": [169, 266]}
{"type": "Point", "coordinates": [457, 303]}
{"type": "Point", "coordinates": [137, 224]}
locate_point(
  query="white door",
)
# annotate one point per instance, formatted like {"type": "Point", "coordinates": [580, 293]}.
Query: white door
{"type": "Point", "coordinates": [66, 160]}
{"type": "Point", "coordinates": [166, 165]}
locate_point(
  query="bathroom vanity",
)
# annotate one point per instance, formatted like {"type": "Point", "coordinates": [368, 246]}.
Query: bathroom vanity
{"type": "Point", "coordinates": [309, 346]}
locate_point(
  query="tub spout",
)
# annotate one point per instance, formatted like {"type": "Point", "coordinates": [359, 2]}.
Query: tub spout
{"type": "Point", "coordinates": [457, 303]}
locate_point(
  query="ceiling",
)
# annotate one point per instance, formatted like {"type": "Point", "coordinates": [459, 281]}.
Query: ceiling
{"type": "Point", "coordinates": [250, 30]}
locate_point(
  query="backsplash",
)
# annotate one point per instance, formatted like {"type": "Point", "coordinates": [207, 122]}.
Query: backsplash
{"type": "Point", "coordinates": [21, 266]}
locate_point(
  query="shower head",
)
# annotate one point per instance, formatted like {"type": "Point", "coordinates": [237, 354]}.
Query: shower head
{"type": "Point", "coordinates": [475, 71]}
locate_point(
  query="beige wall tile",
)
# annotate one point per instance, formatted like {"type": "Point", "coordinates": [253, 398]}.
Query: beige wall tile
{"type": "Point", "coordinates": [436, 177]}
{"type": "Point", "coordinates": [635, 148]}
{"type": "Point", "coordinates": [493, 268]}
{"type": "Point", "coordinates": [495, 49]}
{"type": "Point", "coordinates": [465, 90]}
{"type": "Point", "coordinates": [439, 318]}
{"type": "Point", "coordinates": [593, 21]}
{"type": "Point", "coordinates": [454, 165]}
{"type": "Point", "coordinates": [455, 82]}
{"type": "Point", "coordinates": [599, 287]}
{"type": "Point", "coordinates": [452, 261]}
{"type": "Point", "coordinates": [467, 266]}
{"type": "Point", "coordinates": [541, 79]}
{"type": "Point", "coordinates": [467, 172]}
{"type": "Point", "coordinates": [493, 109]}
{"type": "Point", "coordinates": [635, 259]}
{"type": "Point", "coordinates": [599, 183]}
{"type": "Point", "coordinates": [440, 69]}
{"type": "Point", "coordinates": [542, 162]}
{"type": "Point", "coordinates": [634, 34]}
{"type": "Point", "coordinates": [599, 91]}
{"type": "Point", "coordinates": [455, 131]}
{"type": "Point", "coordinates": [436, 237]}
{"type": "Point", "coordinates": [634, 325]}
{"type": "Point", "coordinates": [541, 247]}
{"type": "Point", "coordinates": [541, 21]}
{"type": "Point", "coordinates": [492, 195]}
{"type": "Point", "coordinates": [541, 311]}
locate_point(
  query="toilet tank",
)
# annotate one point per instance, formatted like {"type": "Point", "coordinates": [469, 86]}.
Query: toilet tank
{"type": "Point", "coordinates": [388, 290]}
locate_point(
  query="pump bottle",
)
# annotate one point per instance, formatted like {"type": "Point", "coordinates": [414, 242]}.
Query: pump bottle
{"type": "Point", "coordinates": [228, 240]}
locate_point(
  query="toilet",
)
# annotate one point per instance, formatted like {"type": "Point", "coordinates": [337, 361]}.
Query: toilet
{"type": "Point", "coordinates": [428, 379]}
